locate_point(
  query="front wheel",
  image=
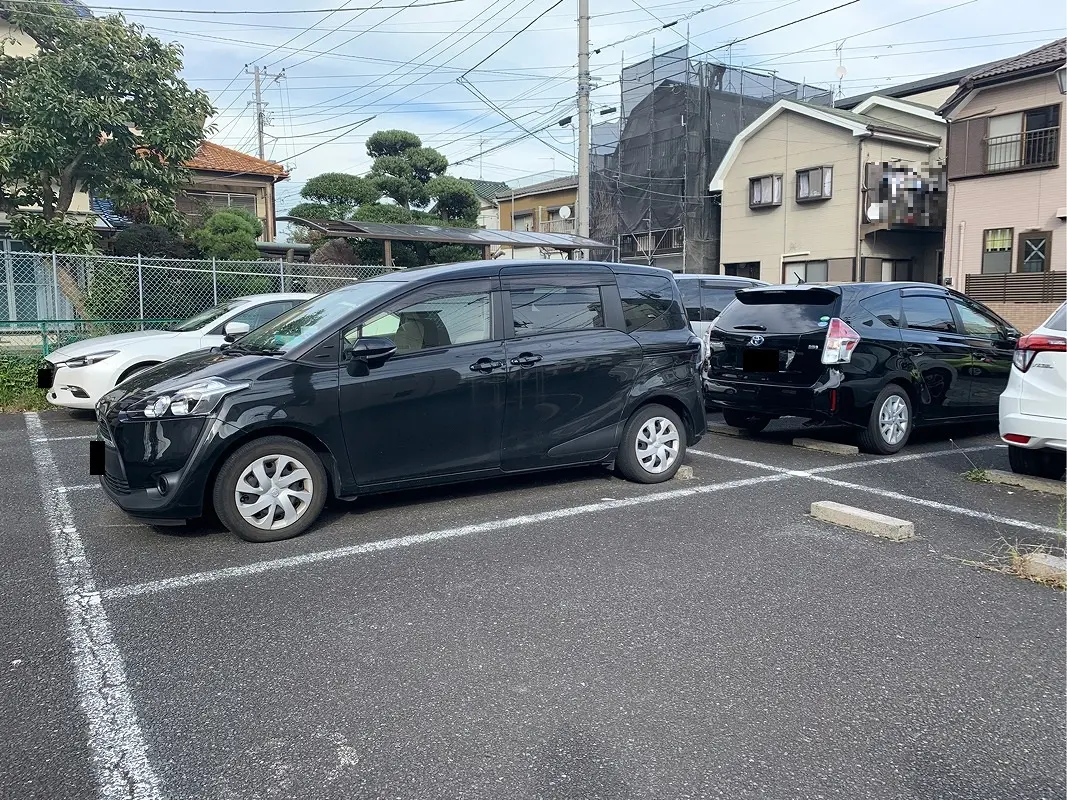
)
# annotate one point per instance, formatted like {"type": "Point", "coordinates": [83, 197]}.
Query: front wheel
{"type": "Point", "coordinates": [890, 424]}
{"type": "Point", "coordinates": [1038, 463]}
{"type": "Point", "coordinates": [751, 423]}
{"type": "Point", "coordinates": [270, 489]}
{"type": "Point", "coordinates": [652, 446]}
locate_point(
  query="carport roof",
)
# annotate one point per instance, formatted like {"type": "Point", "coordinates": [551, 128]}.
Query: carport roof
{"type": "Point", "coordinates": [433, 233]}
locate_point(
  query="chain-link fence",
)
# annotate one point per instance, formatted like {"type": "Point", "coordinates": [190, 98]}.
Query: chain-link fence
{"type": "Point", "coordinates": [53, 299]}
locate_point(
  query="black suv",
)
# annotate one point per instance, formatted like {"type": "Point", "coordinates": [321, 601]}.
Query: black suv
{"type": "Point", "coordinates": [426, 376]}
{"type": "Point", "coordinates": [880, 356]}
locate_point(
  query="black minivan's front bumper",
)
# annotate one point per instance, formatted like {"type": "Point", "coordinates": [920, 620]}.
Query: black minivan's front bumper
{"type": "Point", "coordinates": [152, 468]}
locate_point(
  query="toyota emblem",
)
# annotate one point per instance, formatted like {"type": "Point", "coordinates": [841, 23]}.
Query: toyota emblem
{"type": "Point", "coordinates": [756, 341]}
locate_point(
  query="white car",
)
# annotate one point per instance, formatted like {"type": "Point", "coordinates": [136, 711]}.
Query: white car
{"type": "Point", "coordinates": [1033, 409]}
{"type": "Point", "coordinates": [77, 375]}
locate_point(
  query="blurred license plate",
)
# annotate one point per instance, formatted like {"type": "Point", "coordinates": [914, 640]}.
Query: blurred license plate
{"type": "Point", "coordinates": [45, 377]}
{"type": "Point", "coordinates": [760, 361]}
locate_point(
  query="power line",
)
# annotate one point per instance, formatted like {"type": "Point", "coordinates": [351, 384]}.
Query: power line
{"type": "Point", "coordinates": [256, 11]}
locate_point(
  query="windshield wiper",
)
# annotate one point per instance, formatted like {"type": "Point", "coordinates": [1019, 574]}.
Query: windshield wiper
{"type": "Point", "coordinates": [244, 350]}
{"type": "Point", "coordinates": [750, 327]}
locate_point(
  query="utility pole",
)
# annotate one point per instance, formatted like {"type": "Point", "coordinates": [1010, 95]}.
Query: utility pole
{"type": "Point", "coordinates": [261, 107]}
{"type": "Point", "coordinates": [584, 82]}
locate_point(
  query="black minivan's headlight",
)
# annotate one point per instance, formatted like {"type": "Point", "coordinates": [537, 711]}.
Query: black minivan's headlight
{"type": "Point", "coordinates": [194, 400]}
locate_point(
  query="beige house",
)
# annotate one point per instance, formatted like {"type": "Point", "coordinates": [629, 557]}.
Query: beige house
{"type": "Point", "coordinates": [814, 194]}
{"type": "Point", "coordinates": [539, 208]}
{"type": "Point", "coordinates": [1006, 242]}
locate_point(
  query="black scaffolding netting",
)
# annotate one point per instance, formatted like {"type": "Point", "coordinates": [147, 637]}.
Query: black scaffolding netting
{"type": "Point", "coordinates": [651, 168]}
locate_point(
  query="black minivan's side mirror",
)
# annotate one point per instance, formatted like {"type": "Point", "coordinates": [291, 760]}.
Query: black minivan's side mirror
{"type": "Point", "coordinates": [374, 350]}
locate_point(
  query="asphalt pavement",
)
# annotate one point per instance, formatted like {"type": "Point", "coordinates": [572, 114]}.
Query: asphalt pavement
{"type": "Point", "coordinates": [569, 635]}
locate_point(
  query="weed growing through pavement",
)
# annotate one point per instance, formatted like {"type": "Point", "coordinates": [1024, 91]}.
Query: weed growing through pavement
{"type": "Point", "coordinates": [1026, 561]}
{"type": "Point", "coordinates": [977, 475]}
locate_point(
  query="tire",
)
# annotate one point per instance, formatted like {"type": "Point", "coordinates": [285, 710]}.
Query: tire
{"type": "Point", "coordinates": [752, 423]}
{"type": "Point", "coordinates": [659, 426]}
{"type": "Point", "coordinates": [889, 435]}
{"type": "Point", "coordinates": [267, 524]}
{"type": "Point", "coordinates": [1037, 463]}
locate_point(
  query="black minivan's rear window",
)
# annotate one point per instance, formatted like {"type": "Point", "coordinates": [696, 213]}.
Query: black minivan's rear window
{"type": "Point", "coordinates": [780, 311]}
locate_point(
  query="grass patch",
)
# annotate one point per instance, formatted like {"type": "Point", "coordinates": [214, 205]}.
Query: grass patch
{"type": "Point", "coordinates": [1026, 561]}
{"type": "Point", "coordinates": [18, 384]}
{"type": "Point", "coordinates": [977, 475]}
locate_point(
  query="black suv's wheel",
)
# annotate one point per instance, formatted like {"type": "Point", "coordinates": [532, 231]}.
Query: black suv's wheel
{"type": "Point", "coordinates": [890, 425]}
{"type": "Point", "coordinates": [652, 446]}
{"type": "Point", "coordinates": [270, 489]}
{"type": "Point", "coordinates": [1039, 463]}
{"type": "Point", "coordinates": [752, 423]}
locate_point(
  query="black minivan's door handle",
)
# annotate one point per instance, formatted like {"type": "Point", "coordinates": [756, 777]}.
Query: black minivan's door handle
{"type": "Point", "coordinates": [526, 360]}
{"type": "Point", "coordinates": [486, 365]}
{"type": "Point", "coordinates": [914, 351]}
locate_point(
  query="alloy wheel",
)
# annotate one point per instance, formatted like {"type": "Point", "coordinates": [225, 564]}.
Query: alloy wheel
{"type": "Point", "coordinates": [273, 492]}
{"type": "Point", "coordinates": [657, 445]}
{"type": "Point", "coordinates": [893, 419]}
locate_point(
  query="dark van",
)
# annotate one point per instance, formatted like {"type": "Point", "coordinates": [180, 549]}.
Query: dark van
{"type": "Point", "coordinates": [424, 376]}
{"type": "Point", "coordinates": [880, 356]}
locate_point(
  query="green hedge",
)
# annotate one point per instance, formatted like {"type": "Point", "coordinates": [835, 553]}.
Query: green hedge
{"type": "Point", "coordinates": [18, 384]}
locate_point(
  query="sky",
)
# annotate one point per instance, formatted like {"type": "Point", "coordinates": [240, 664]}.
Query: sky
{"type": "Point", "coordinates": [430, 69]}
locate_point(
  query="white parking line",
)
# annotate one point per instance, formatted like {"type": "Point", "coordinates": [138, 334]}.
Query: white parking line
{"type": "Point", "coordinates": [42, 438]}
{"type": "Point", "coordinates": [83, 488]}
{"type": "Point", "coordinates": [816, 475]}
{"type": "Point", "coordinates": [119, 752]}
{"type": "Point", "coordinates": [260, 567]}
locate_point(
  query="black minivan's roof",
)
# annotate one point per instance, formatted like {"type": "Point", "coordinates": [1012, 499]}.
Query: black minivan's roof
{"type": "Point", "coordinates": [481, 269]}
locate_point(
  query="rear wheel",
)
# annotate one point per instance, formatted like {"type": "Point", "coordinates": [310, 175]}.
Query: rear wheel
{"type": "Point", "coordinates": [1038, 463]}
{"type": "Point", "coordinates": [652, 446]}
{"type": "Point", "coordinates": [752, 423]}
{"type": "Point", "coordinates": [891, 422]}
{"type": "Point", "coordinates": [270, 489]}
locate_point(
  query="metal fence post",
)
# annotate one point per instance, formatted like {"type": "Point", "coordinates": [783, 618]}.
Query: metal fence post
{"type": "Point", "coordinates": [44, 339]}
{"type": "Point", "coordinates": [214, 283]}
{"type": "Point", "coordinates": [55, 288]}
{"type": "Point", "coordinates": [140, 290]}
{"type": "Point", "coordinates": [281, 275]}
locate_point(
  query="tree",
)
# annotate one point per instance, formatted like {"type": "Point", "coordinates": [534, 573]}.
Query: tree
{"type": "Point", "coordinates": [403, 168]}
{"type": "Point", "coordinates": [150, 240]}
{"type": "Point", "coordinates": [229, 234]}
{"type": "Point", "coordinates": [334, 251]}
{"type": "Point", "coordinates": [334, 195]}
{"type": "Point", "coordinates": [455, 200]}
{"type": "Point", "coordinates": [99, 106]}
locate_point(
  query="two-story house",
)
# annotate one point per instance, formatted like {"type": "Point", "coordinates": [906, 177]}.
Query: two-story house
{"type": "Point", "coordinates": [1006, 242]}
{"type": "Point", "coordinates": [545, 207]}
{"type": "Point", "coordinates": [812, 194]}
{"type": "Point", "coordinates": [487, 192]}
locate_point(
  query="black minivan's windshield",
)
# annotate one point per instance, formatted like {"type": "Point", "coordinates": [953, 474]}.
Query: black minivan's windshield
{"type": "Point", "coordinates": [306, 321]}
{"type": "Point", "coordinates": [779, 311]}
{"type": "Point", "coordinates": [198, 321]}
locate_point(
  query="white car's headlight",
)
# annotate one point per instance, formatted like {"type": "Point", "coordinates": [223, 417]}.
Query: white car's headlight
{"type": "Point", "coordinates": [86, 360]}
{"type": "Point", "coordinates": [194, 400]}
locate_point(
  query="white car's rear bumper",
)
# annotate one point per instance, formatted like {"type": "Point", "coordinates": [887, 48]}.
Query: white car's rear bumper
{"type": "Point", "coordinates": [1043, 432]}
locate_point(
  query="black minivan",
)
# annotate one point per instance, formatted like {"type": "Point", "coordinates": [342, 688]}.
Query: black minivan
{"type": "Point", "coordinates": [424, 376]}
{"type": "Point", "coordinates": [880, 356]}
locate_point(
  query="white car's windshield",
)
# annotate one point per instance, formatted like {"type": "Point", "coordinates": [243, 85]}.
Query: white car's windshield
{"type": "Point", "coordinates": [302, 323]}
{"type": "Point", "coordinates": [198, 321]}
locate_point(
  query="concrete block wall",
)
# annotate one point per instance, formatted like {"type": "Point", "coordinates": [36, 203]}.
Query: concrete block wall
{"type": "Point", "coordinates": [1024, 316]}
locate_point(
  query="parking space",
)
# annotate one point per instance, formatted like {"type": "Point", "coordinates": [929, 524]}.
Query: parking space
{"type": "Point", "coordinates": [565, 636]}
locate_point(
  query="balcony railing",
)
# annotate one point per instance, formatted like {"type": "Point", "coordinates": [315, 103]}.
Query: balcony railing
{"type": "Point", "coordinates": [557, 226]}
{"type": "Point", "coordinates": [1018, 287]}
{"type": "Point", "coordinates": [1038, 148]}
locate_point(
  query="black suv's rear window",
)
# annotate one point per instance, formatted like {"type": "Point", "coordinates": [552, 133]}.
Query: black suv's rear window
{"type": "Point", "coordinates": [649, 303]}
{"type": "Point", "coordinates": [780, 311]}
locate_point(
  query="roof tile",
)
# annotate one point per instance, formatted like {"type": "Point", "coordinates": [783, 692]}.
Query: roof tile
{"type": "Point", "coordinates": [216, 158]}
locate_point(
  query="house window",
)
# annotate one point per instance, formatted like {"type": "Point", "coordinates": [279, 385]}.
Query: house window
{"type": "Point", "coordinates": [765, 190]}
{"type": "Point", "coordinates": [1024, 139]}
{"type": "Point", "coordinates": [744, 269]}
{"type": "Point", "coordinates": [522, 222]}
{"type": "Point", "coordinates": [996, 250]}
{"type": "Point", "coordinates": [1034, 251]}
{"type": "Point", "coordinates": [806, 272]}
{"type": "Point", "coordinates": [215, 200]}
{"type": "Point", "coordinates": [814, 184]}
